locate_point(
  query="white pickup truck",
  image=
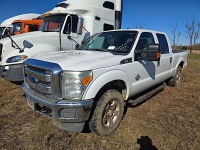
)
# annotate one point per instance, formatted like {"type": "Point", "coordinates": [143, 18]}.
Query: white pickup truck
{"type": "Point", "coordinates": [91, 85]}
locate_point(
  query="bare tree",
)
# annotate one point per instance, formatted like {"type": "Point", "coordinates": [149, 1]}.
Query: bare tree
{"type": "Point", "coordinates": [176, 35]}
{"type": "Point", "coordinates": [192, 30]}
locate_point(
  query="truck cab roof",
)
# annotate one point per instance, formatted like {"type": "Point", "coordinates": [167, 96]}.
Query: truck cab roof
{"type": "Point", "coordinates": [138, 30]}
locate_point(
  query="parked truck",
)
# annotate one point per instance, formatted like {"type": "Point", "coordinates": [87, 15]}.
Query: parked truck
{"type": "Point", "coordinates": [91, 85]}
{"type": "Point", "coordinates": [25, 26]}
{"type": "Point", "coordinates": [67, 25]}
{"type": "Point", "coordinates": [7, 25]}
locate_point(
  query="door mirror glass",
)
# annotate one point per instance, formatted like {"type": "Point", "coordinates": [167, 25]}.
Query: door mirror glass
{"type": "Point", "coordinates": [79, 26]}
{"type": "Point", "coordinates": [152, 54]}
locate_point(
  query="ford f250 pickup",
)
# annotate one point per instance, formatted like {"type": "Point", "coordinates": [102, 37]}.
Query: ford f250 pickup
{"type": "Point", "coordinates": [91, 85]}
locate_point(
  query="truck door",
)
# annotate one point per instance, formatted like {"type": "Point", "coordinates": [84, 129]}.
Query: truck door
{"type": "Point", "coordinates": [166, 58]}
{"type": "Point", "coordinates": [71, 30]}
{"type": "Point", "coordinates": [66, 43]}
{"type": "Point", "coordinates": [143, 71]}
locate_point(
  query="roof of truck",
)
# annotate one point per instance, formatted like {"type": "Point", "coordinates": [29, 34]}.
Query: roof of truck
{"type": "Point", "coordinates": [139, 30]}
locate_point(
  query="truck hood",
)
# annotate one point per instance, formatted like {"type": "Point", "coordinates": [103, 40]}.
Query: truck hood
{"type": "Point", "coordinates": [20, 38]}
{"type": "Point", "coordinates": [79, 60]}
{"type": "Point", "coordinates": [31, 43]}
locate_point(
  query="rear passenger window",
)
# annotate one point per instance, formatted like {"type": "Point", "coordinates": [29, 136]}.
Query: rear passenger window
{"type": "Point", "coordinates": [146, 38]}
{"type": "Point", "coordinates": [164, 48]}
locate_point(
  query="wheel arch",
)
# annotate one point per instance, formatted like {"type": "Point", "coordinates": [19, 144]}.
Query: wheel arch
{"type": "Point", "coordinates": [181, 63]}
{"type": "Point", "coordinates": [116, 79]}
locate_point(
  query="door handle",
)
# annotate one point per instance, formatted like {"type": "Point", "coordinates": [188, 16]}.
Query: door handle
{"type": "Point", "coordinates": [170, 60]}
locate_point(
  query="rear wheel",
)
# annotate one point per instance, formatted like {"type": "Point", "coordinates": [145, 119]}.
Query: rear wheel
{"type": "Point", "coordinates": [176, 78]}
{"type": "Point", "coordinates": [108, 113]}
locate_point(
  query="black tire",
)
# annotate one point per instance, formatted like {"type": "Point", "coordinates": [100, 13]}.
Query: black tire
{"type": "Point", "coordinates": [108, 113]}
{"type": "Point", "coordinates": [176, 78]}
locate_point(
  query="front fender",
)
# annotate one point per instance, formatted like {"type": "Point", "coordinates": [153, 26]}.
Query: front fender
{"type": "Point", "coordinates": [105, 78]}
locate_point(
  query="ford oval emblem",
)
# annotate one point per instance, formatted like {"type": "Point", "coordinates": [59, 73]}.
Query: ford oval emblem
{"type": "Point", "coordinates": [33, 79]}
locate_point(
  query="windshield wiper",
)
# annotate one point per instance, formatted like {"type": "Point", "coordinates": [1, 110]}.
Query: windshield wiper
{"type": "Point", "coordinates": [49, 31]}
{"type": "Point", "coordinates": [102, 50]}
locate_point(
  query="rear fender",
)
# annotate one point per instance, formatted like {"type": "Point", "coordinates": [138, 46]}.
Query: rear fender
{"type": "Point", "coordinates": [178, 63]}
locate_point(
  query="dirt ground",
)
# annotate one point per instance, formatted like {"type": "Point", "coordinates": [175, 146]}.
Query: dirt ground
{"type": "Point", "coordinates": [168, 121]}
{"type": "Point", "coordinates": [195, 51]}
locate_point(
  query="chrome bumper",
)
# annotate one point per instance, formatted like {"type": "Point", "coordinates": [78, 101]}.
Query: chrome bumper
{"type": "Point", "coordinates": [67, 115]}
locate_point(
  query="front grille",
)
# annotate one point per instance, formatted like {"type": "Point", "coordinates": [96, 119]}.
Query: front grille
{"type": "Point", "coordinates": [43, 79]}
{"type": "Point", "coordinates": [1, 50]}
{"type": "Point", "coordinates": [38, 81]}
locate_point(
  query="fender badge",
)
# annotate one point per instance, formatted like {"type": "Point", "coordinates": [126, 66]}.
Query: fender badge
{"type": "Point", "coordinates": [137, 77]}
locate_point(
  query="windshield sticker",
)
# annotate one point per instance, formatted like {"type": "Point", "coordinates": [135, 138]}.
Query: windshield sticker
{"type": "Point", "coordinates": [111, 47]}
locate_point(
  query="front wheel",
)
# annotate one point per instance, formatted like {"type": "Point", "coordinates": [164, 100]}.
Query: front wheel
{"type": "Point", "coordinates": [108, 113]}
{"type": "Point", "coordinates": [176, 78]}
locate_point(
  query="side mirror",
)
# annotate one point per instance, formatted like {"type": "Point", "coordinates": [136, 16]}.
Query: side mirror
{"type": "Point", "coordinates": [26, 28]}
{"type": "Point", "coordinates": [77, 46]}
{"type": "Point", "coordinates": [79, 26]}
{"type": "Point", "coordinates": [153, 53]}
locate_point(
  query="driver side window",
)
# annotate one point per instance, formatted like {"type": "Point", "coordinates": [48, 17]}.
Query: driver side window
{"type": "Point", "coordinates": [71, 25]}
{"type": "Point", "coordinates": [146, 38]}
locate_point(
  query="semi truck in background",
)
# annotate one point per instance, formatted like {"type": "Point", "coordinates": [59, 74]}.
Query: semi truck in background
{"type": "Point", "coordinates": [24, 26]}
{"type": "Point", "coordinates": [7, 25]}
{"type": "Point", "coordinates": [70, 23]}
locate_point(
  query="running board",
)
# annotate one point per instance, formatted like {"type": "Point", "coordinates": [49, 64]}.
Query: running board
{"type": "Point", "coordinates": [147, 95]}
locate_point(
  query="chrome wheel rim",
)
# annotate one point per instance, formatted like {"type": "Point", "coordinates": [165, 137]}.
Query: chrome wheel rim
{"type": "Point", "coordinates": [111, 113]}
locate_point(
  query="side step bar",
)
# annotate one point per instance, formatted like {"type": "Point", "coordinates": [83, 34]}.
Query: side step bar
{"type": "Point", "coordinates": [148, 94]}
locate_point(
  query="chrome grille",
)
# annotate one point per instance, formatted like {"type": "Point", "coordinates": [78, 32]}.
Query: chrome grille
{"type": "Point", "coordinates": [43, 79]}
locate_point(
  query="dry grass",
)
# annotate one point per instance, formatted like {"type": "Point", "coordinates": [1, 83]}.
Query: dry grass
{"type": "Point", "coordinates": [168, 121]}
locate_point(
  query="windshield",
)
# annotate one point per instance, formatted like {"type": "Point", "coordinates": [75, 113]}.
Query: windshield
{"type": "Point", "coordinates": [17, 27]}
{"type": "Point", "coordinates": [116, 42]}
{"type": "Point", "coordinates": [1, 30]}
{"type": "Point", "coordinates": [53, 23]}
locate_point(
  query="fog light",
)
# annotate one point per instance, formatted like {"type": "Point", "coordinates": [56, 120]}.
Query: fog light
{"type": "Point", "coordinates": [67, 113]}
{"type": "Point", "coordinates": [6, 67]}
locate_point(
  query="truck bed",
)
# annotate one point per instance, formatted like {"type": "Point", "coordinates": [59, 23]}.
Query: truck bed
{"type": "Point", "coordinates": [178, 51]}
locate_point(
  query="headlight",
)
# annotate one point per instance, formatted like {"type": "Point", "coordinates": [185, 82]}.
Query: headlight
{"type": "Point", "coordinates": [75, 83]}
{"type": "Point", "coordinates": [16, 58]}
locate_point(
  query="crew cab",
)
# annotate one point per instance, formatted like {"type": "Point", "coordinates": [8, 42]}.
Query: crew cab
{"type": "Point", "coordinates": [90, 85]}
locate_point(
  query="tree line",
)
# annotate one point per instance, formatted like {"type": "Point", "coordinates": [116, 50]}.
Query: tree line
{"type": "Point", "coordinates": [192, 27]}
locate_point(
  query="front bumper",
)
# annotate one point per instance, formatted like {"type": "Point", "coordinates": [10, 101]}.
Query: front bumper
{"type": "Point", "coordinates": [67, 115]}
{"type": "Point", "coordinates": [12, 72]}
